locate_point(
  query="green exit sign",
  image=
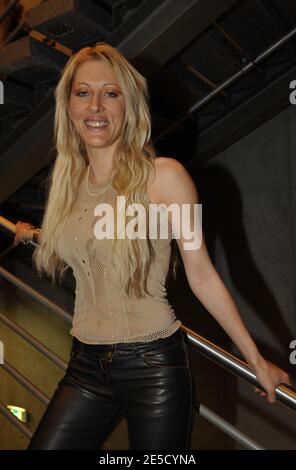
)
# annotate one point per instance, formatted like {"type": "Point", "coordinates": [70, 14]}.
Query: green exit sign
{"type": "Point", "coordinates": [20, 413]}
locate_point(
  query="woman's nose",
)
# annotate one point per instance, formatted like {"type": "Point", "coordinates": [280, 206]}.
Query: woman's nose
{"type": "Point", "coordinates": [96, 103]}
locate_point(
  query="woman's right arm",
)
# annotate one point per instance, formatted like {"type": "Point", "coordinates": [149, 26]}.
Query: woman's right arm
{"type": "Point", "coordinates": [24, 232]}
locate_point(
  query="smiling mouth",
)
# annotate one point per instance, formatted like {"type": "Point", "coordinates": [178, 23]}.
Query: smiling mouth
{"type": "Point", "coordinates": [96, 126]}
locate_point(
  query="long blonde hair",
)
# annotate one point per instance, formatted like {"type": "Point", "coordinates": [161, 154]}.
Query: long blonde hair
{"type": "Point", "coordinates": [131, 170]}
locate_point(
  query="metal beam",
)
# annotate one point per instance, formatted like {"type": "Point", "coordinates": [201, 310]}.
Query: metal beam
{"type": "Point", "coordinates": [228, 82]}
{"type": "Point", "coordinates": [153, 35]}
{"type": "Point", "coordinates": [263, 105]}
{"type": "Point", "coordinates": [160, 29]}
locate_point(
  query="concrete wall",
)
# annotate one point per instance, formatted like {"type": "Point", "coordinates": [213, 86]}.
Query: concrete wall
{"type": "Point", "coordinates": [249, 207]}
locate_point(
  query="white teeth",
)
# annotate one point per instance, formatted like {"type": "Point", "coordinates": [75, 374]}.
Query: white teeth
{"type": "Point", "coordinates": [96, 123]}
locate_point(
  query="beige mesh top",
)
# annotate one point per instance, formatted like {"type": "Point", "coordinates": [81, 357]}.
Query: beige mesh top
{"type": "Point", "coordinates": [103, 313]}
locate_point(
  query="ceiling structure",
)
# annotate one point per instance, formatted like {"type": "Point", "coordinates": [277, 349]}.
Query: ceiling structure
{"type": "Point", "coordinates": [214, 74]}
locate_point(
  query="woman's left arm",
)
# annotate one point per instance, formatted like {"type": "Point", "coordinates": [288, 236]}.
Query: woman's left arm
{"type": "Point", "coordinates": [174, 185]}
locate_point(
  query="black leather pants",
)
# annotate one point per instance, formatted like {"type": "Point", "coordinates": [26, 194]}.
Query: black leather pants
{"type": "Point", "coordinates": [150, 384]}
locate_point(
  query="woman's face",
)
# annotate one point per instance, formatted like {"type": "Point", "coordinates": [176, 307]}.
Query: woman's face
{"type": "Point", "coordinates": [96, 104]}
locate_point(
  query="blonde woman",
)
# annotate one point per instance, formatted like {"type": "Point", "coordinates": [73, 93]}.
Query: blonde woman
{"type": "Point", "coordinates": [129, 356]}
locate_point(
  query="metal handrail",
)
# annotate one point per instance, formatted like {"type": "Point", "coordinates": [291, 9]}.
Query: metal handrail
{"type": "Point", "coordinates": [34, 294]}
{"type": "Point", "coordinates": [204, 346]}
{"type": "Point", "coordinates": [233, 364]}
{"type": "Point", "coordinates": [33, 342]}
{"type": "Point", "coordinates": [10, 228]}
{"type": "Point", "coordinates": [285, 395]}
{"type": "Point", "coordinates": [228, 428]}
{"type": "Point", "coordinates": [227, 82]}
{"type": "Point", "coordinates": [25, 382]}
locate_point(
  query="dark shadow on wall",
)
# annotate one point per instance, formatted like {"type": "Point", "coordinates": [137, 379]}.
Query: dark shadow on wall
{"type": "Point", "coordinates": [223, 223]}
{"type": "Point", "coordinates": [223, 226]}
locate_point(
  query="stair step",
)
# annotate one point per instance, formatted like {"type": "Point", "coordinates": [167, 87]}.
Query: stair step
{"type": "Point", "coordinates": [10, 122]}
{"type": "Point", "coordinates": [70, 22]}
{"type": "Point", "coordinates": [44, 76]}
{"type": "Point", "coordinates": [28, 52]}
{"type": "Point", "coordinates": [16, 97]}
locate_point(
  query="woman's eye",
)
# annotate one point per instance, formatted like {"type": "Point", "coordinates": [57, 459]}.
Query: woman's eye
{"type": "Point", "coordinates": [79, 93]}
{"type": "Point", "coordinates": [113, 94]}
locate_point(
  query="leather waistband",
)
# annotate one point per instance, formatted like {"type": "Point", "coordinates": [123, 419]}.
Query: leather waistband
{"type": "Point", "coordinates": [177, 336]}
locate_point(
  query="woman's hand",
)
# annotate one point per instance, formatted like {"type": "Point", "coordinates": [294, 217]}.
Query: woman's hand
{"type": "Point", "coordinates": [270, 376]}
{"type": "Point", "coordinates": [19, 234]}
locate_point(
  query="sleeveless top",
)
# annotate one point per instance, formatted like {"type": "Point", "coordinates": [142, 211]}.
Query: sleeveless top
{"type": "Point", "coordinates": [103, 312]}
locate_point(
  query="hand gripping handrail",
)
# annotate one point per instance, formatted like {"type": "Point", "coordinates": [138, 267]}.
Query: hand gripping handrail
{"type": "Point", "coordinates": [233, 364]}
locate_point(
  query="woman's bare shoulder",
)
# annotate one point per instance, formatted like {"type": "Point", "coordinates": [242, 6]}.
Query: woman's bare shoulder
{"type": "Point", "coordinates": [166, 168]}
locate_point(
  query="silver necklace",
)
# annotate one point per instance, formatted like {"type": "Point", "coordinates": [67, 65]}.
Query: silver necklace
{"type": "Point", "coordinates": [99, 192]}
